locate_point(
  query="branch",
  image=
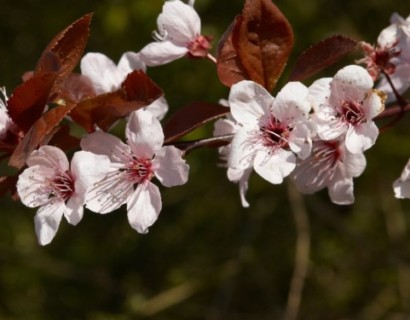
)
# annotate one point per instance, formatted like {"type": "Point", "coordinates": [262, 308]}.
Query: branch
{"type": "Point", "coordinates": [213, 142]}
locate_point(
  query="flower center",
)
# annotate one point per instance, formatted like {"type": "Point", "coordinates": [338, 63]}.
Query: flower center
{"type": "Point", "coordinates": [139, 170]}
{"type": "Point", "coordinates": [352, 112]}
{"type": "Point", "coordinates": [199, 47]}
{"type": "Point", "coordinates": [275, 134]}
{"type": "Point", "coordinates": [62, 186]}
{"type": "Point", "coordinates": [326, 153]}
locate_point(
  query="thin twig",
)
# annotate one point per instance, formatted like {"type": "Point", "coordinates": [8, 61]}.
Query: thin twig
{"type": "Point", "coordinates": [211, 57]}
{"type": "Point", "coordinates": [301, 255]}
{"type": "Point", "coordinates": [218, 141]}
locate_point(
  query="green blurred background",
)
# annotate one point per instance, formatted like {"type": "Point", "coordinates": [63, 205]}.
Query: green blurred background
{"type": "Point", "coordinates": [206, 257]}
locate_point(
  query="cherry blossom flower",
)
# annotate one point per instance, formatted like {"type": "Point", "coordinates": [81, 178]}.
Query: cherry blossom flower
{"type": "Point", "coordinates": [391, 55]}
{"type": "Point", "coordinates": [133, 165]}
{"type": "Point", "coordinates": [401, 186]}
{"type": "Point", "coordinates": [240, 176]}
{"type": "Point", "coordinates": [345, 106]}
{"type": "Point", "coordinates": [179, 34]}
{"type": "Point", "coordinates": [5, 121]}
{"type": "Point", "coordinates": [58, 189]}
{"type": "Point", "coordinates": [106, 77]}
{"type": "Point", "coordinates": [272, 130]}
{"type": "Point", "coordinates": [330, 165]}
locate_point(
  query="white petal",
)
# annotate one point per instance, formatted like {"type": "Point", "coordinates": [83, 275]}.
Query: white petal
{"type": "Point", "coordinates": [341, 191]}
{"type": "Point", "coordinates": [144, 206]}
{"type": "Point", "coordinates": [75, 208]}
{"type": "Point", "coordinates": [102, 72]}
{"type": "Point", "coordinates": [361, 137]}
{"type": "Point", "coordinates": [291, 103]}
{"type": "Point", "coordinates": [402, 185]}
{"type": "Point", "coordinates": [129, 62]}
{"type": "Point", "coordinates": [354, 163]}
{"type": "Point", "coordinates": [249, 101]}
{"type": "Point", "coordinates": [159, 53]}
{"type": "Point", "coordinates": [300, 140]}
{"type": "Point", "coordinates": [32, 185]}
{"type": "Point", "coordinates": [158, 108]}
{"type": "Point", "coordinates": [373, 105]}
{"type": "Point", "coordinates": [180, 22]}
{"type": "Point", "coordinates": [319, 93]}
{"type": "Point", "coordinates": [47, 220]}
{"type": "Point", "coordinates": [169, 167]}
{"type": "Point", "coordinates": [49, 156]}
{"type": "Point", "coordinates": [241, 176]}
{"type": "Point", "coordinates": [350, 83]}
{"type": "Point", "coordinates": [103, 143]}
{"type": "Point", "coordinates": [243, 148]}
{"type": "Point", "coordinates": [144, 134]}
{"type": "Point", "coordinates": [275, 167]}
{"type": "Point", "coordinates": [225, 126]}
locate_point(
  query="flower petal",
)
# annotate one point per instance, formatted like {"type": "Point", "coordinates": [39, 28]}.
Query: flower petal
{"type": "Point", "coordinates": [159, 53]}
{"type": "Point", "coordinates": [144, 134]}
{"type": "Point", "coordinates": [144, 206]}
{"type": "Point", "coordinates": [241, 176]}
{"type": "Point", "coordinates": [401, 186]}
{"type": "Point", "coordinates": [32, 185]}
{"type": "Point", "coordinates": [275, 167]}
{"type": "Point", "coordinates": [102, 72]}
{"type": "Point", "coordinates": [158, 108]}
{"type": "Point", "coordinates": [341, 190]}
{"type": "Point", "coordinates": [351, 83]}
{"type": "Point", "coordinates": [169, 167]}
{"type": "Point", "coordinates": [361, 137]}
{"type": "Point", "coordinates": [243, 148]}
{"type": "Point", "coordinates": [49, 156]}
{"type": "Point", "coordinates": [129, 62]}
{"type": "Point", "coordinates": [47, 220]}
{"type": "Point", "coordinates": [249, 101]}
{"type": "Point", "coordinates": [180, 22]}
{"type": "Point", "coordinates": [103, 143]}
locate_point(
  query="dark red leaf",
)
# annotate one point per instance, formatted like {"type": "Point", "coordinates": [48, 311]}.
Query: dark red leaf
{"type": "Point", "coordinates": [38, 134]}
{"type": "Point", "coordinates": [264, 41]}
{"type": "Point", "coordinates": [322, 55]}
{"type": "Point", "coordinates": [66, 48]}
{"type": "Point", "coordinates": [137, 91]}
{"type": "Point", "coordinates": [190, 117]}
{"type": "Point", "coordinates": [62, 138]}
{"type": "Point", "coordinates": [28, 100]}
{"type": "Point", "coordinates": [229, 67]}
{"type": "Point", "coordinates": [75, 88]}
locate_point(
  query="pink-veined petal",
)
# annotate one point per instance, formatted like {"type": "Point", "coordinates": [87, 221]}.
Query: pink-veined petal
{"type": "Point", "coordinates": [144, 206]}
{"type": "Point", "coordinates": [47, 220]}
{"type": "Point", "coordinates": [243, 148]}
{"type": "Point", "coordinates": [249, 102]}
{"type": "Point", "coordinates": [179, 22]}
{"type": "Point", "coordinates": [32, 185]}
{"type": "Point", "coordinates": [159, 53]}
{"type": "Point", "coordinates": [169, 167]}
{"type": "Point", "coordinates": [144, 134]}
{"type": "Point", "coordinates": [275, 167]}
{"type": "Point", "coordinates": [103, 143]}
{"type": "Point", "coordinates": [49, 156]}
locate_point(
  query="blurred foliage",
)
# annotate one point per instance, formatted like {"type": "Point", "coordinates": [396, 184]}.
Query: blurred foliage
{"type": "Point", "coordinates": [206, 257]}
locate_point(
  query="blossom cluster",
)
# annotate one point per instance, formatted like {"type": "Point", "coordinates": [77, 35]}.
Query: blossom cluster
{"type": "Point", "coordinates": [316, 135]}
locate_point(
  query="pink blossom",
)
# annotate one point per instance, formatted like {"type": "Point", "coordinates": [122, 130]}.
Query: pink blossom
{"type": "Point", "coordinates": [133, 165]}
{"type": "Point", "coordinates": [401, 186]}
{"type": "Point", "coordinates": [107, 77]}
{"type": "Point", "coordinates": [179, 34]}
{"type": "Point", "coordinates": [50, 183]}
{"type": "Point", "coordinates": [391, 55]}
{"type": "Point", "coordinates": [331, 166]}
{"type": "Point", "coordinates": [345, 106]}
{"type": "Point", "coordinates": [272, 131]}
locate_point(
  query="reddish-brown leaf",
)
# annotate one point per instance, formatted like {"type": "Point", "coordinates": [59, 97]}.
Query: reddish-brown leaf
{"type": "Point", "coordinates": [75, 88]}
{"type": "Point", "coordinates": [322, 55]}
{"type": "Point", "coordinates": [66, 48]}
{"type": "Point", "coordinates": [190, 117]}
{"type": "Point", "coordinates": [137, 91]}
{"type": "Point", "coordinates": [28, 100]}
{"type": "Point", "coordinates": [229, 67]}
{"type": "Point", "coordinates": [264, 41]}
{"type": "Point", "coordinates": [38, 133]}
